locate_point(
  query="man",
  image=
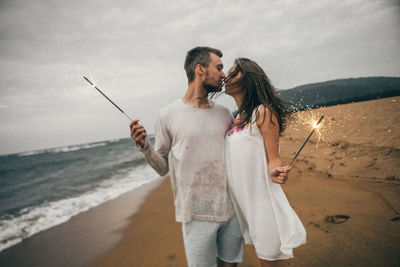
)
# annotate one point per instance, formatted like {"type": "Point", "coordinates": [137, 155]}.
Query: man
{"type": "Point", "coordinates": [189, 144]}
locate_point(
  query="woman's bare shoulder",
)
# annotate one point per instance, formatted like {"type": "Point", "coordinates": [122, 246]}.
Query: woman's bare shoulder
{"type": "Point", "coordinates": [264, 116]}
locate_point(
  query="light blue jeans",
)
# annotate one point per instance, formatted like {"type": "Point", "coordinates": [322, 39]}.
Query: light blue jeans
{"type": "Point", "coordinates": [204, 240]}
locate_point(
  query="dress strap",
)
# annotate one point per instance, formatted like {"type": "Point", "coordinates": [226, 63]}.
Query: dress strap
{"type": "Point", "coordinates": [254, 115]}
{"type": "Point", "coordinates": [253, 118]}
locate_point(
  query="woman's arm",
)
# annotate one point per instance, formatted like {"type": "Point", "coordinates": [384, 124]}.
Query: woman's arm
{"type": "Point", "coordinates": [269, 128]}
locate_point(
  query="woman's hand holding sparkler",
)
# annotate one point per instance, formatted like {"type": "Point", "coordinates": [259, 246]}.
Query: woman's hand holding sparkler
{"type": "Point", "coordinates": [279, 175]}
{"type": "Point", "coordinates": [138, 133]}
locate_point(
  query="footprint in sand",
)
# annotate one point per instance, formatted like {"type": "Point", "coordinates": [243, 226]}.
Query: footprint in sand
{"type": "Point", "coordinates": [336, 219]}
{"type": "Point", "coordinates": [316, 225]}
{"type": "Point", "coordinates": [393, 152]}
{"type": "Point", "coordinates": [312, 167]}
{"type": "Point", "coordinates": [171, 257]}
{"type": "Point", "coordinates": [340, 144]}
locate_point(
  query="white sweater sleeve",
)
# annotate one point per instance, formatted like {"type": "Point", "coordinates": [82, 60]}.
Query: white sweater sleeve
{"type": "Point", "coordinates": [158, 157]}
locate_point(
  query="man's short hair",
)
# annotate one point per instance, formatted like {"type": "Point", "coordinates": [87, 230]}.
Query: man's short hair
{"type": "Point", "coordinates": [198, 55]}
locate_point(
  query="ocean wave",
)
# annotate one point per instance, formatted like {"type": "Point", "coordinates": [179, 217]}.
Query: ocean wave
{"type": "Point", "coordinates": [32, 220]}
{"type": "Point", "coordinates": [63, 149]}
{"type": "Point", "coordinates": [74, 148]}
{"type": "Point", "coordinates": [30, 153]}
{"type": "Point", "coordinates": [116, 140]}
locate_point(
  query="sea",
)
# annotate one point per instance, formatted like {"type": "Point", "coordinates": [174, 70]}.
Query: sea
{"type": "Point", "coordinates": [44, 188]}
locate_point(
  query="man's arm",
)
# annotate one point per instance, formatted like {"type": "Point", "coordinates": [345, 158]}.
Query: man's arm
{"type": "Point", "coordinates": [157, 158]}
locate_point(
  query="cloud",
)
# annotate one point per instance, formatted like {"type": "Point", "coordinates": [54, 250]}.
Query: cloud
{"type": "Point", "coordinates": [135, 50]}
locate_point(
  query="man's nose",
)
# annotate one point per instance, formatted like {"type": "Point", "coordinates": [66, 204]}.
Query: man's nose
{"type": "Point", "coordinates": [223, 75]}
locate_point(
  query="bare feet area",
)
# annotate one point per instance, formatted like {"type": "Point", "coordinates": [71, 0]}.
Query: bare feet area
{"type": "Point", "coordinates": [344, 186]}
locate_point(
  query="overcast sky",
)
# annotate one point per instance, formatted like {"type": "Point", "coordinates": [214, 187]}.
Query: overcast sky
{"type": "Point", "coordinates": [135, 51]}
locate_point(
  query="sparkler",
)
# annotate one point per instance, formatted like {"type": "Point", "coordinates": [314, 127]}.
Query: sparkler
{"type": "Point", "coordinates": [95, 87]}
{"type": "Point", "coordinates": [315, 126]}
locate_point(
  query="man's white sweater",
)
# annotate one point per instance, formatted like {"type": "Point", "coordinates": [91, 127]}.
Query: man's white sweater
{"type": "Point", "coordinates": [189, 143]}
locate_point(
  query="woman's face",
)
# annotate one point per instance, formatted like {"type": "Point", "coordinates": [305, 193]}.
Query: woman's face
{"type": "Point", "coordinates": [230, 87]}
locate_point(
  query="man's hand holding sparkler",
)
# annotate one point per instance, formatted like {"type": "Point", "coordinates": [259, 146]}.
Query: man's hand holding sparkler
{"type": "Point", "coordinates": [279, 175]}
{"type": "Point", "coordinates": [138, 133]}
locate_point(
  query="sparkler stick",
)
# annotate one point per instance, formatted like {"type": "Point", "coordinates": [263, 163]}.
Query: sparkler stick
{"type": "Point", "coordinates": [313, 130]}
{"type": "Point", "coordinates": [95, 87]}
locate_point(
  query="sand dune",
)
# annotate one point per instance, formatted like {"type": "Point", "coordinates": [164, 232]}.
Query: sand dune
{"type": "Point", "coordinates": [352, 170]}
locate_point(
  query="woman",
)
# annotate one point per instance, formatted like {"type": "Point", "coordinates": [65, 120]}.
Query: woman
{"type": "Point", "coordinates": [255, 169]}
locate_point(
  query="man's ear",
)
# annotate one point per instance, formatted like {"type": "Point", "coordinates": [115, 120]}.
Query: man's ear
{"type": "Point", "coordinates": [199, 69]}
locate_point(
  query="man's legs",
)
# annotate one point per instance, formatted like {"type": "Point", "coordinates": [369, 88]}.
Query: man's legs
{"type": "Point", "coordinates": [203, 239]}
{"type": "Point", "coordinates": [200, 240]}
{"type": "Point", "coordinates": [230, 244]}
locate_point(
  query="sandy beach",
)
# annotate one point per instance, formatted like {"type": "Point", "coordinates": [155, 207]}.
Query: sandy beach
{"type": "Point", "coordinates": [353, 170]}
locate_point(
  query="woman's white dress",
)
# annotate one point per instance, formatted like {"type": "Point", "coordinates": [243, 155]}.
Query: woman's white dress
{"type": "Point", "coordinates": [266, 218]}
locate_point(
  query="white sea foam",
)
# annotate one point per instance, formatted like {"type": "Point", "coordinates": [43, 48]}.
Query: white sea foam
{"type": "Point", "coordinates": [33, 220]}
{"type": "Point", "coordinates": [63, 149]}
{"type": "Point", "coordinates": [30, 153]}
{"type": "Point", "coordinates": [116, 140]}
{"type": "Point", "coordinates": [74, 148]}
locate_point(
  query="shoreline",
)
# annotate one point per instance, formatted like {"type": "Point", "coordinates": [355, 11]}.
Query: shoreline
{"type": "Point", "coordinates": [84, 238]}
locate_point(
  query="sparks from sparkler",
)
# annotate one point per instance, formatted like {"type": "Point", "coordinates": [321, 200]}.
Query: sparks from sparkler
{"type": "Point", "coordinates": [316, 125]}
{"type": "Point", "coordinates": [95, 87]}
{"type": "Point", "coordinates": [308, 120]}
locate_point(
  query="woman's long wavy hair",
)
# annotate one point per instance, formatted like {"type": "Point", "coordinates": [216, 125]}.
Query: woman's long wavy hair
{"type": "Point", "coordinates": [258, 90]}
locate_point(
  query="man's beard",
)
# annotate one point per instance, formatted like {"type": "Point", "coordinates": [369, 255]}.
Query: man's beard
{"type": "Point", "coordinates": [211, 88]}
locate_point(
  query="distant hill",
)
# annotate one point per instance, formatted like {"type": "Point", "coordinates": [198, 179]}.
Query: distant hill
{"type": "Point", "coordinates": [341, 91]}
